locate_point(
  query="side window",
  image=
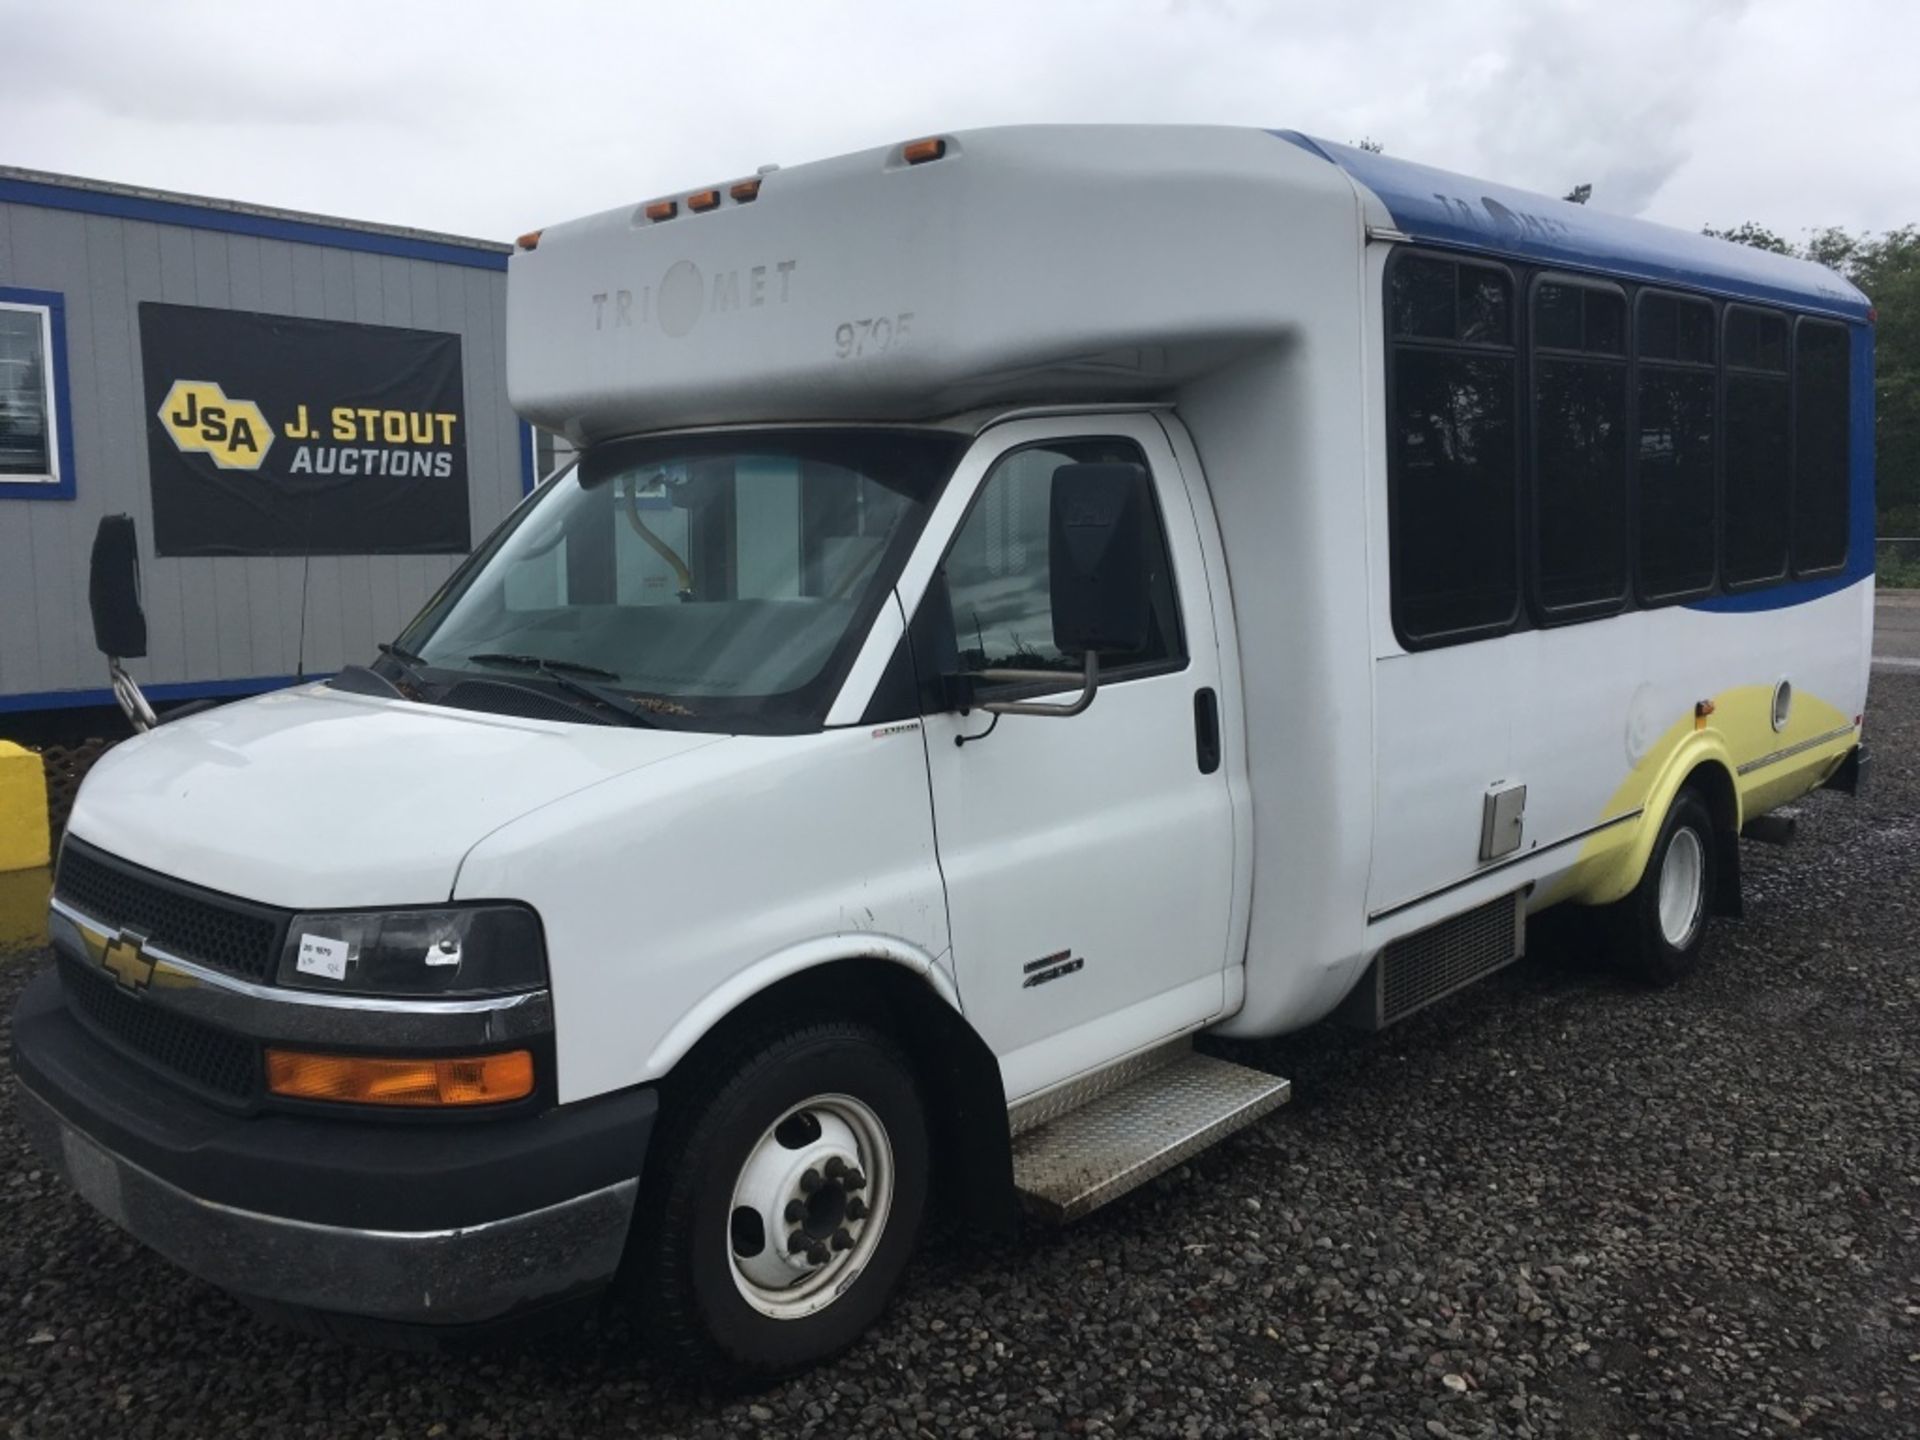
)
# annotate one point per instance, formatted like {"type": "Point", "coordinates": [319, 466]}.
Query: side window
{"type": "Point", "coordinates": [1820, 446]}
{"type": "Point", "coordinates": [1758, 477]}
{"type": "Point", "coordinates": [1580, 447]}
{"type": "Point", "coordinates": [36, 435]}
{"type": "Point", "coordinates": [1674, 453]}
{"type": "Point", "coordinates": [997, 573]}
{"type": "Point", "coordinates": [1453, 449]}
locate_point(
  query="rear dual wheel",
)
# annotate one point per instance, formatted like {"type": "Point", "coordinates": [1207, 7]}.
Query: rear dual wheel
{"type": "Point", "coordinates": [784, 1203]}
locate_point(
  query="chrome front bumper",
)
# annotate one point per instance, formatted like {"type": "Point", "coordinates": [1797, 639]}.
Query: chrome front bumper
{"type": "Point", "coordinates": [459, 1276]}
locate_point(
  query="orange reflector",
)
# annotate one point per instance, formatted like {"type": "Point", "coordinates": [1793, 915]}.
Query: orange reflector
{"type": "Point", "coordinates": [529, 241]}
{"type": "Point", "coordinates": [1701, 712]}
{"type": "Point", "coordinates": [373, 1080]}
{"type": "Point", "coordinates": [703, 200]}
{"type": "Point", "coordinates": [662, 210]}
{"type": "Point", "coordinates": [745, 190]}
{"type": "Point", "coordinates": [921, 151]}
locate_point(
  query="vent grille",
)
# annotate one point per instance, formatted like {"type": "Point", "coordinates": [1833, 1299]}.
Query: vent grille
{"type": "Point", "coordinates": [209, 1060]}
{"type": "Point", "coordinates": [197, 924]}
{"type": "Point", "coordinates": [1423, 968]}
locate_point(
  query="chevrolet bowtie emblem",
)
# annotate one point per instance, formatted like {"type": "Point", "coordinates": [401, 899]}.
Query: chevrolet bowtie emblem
{"type": "Point", "coordinates": [125, 955]}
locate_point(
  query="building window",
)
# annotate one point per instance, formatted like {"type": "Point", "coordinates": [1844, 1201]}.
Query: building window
{"type": "Point", "coordinates": [1821, 458]}
{"type": "Point", "coordinates": [1580, 448]}
{"type": "Point", "coordinates": [36, 447]}
{"type": "Point", "coordinates": [1453, 449]}
{"type": "Point", "coordinates": [1758, 486]}
{"type": "Point", "coordinates": [1674, 454]}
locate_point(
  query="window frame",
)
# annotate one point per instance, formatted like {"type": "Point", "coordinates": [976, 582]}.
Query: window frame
{"type": "Point", "coordinates": [1517, 618]}
{"type": "Point", "coordinates": [51, 307]}
{"type": "Point", "coordinates": [1799, 321]}
{"type": "Point", "coordinates": [1552, 616]}
{"type": "Point", "coordinates": [1180, 658]}
{"type": "Point", "coordinates": [1713, 369]}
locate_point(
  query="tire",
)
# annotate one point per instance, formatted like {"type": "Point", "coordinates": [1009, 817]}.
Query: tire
{"type": "Point", "coordinates": [821, 1131]}
{"type": "Point", "coordinates": [1660, 926]}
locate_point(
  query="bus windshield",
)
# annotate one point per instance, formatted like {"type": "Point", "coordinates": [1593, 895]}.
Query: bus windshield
{"type": "Point", "coordinates": [718, 582]}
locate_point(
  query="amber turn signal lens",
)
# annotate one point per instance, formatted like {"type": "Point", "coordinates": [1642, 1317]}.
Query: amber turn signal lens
{"type": "Point", "coordinates": [703, 200]}
{"type": "Point", "coordinates": [662, 210]}
{"type": "Point", "coordinates": [377, 1080]}
{"type": "Point", "coordinates": [921, 151]}
{"type": "Point", "coordinates": [744, 190]}
{"type": "Point", "coordinates": [529, 241]}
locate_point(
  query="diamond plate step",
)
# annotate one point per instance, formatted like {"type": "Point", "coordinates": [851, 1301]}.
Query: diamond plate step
{"type": "Point", "coordinates": [1077, 1162]}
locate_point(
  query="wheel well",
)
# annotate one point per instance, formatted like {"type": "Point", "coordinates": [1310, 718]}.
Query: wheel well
{"type": "Point", "coordinates": [958, 1075]}
{"type": "Point", "coordinates": [1714, 785]}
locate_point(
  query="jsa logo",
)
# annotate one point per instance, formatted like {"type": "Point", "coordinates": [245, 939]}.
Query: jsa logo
{"type": "Point", "coordinates": [202, 420]}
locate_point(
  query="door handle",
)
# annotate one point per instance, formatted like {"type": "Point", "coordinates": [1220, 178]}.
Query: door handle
{"type": "Point", "coordinates": [1206, 729]}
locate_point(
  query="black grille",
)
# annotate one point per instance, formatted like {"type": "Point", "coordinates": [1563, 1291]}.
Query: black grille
{"type": "Point", "coordinates": [196, 924]}
{"type": "Point", "coordinates": [1421, 968]}
{"type": "Point", "coordinates": [210, 1060]}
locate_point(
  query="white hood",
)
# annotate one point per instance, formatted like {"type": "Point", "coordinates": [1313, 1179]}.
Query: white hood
{"type": "Point", "coordinates": [316, 799]}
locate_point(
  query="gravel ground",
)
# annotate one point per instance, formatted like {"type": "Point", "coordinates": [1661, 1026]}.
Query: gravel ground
{"type": "Point", "coordinates": [1555, 1206]}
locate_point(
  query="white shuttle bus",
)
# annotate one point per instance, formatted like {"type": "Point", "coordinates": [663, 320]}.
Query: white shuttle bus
{"type": "Point", "coordinates": [1027, 598]}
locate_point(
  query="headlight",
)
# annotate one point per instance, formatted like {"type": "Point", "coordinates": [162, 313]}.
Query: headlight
{"type": "Point", "coordinates": [458, 950]}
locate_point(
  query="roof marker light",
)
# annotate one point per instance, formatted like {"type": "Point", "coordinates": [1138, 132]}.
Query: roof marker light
{"type": "Point", "coordinates": [701, 201]}
{"type": "Point", "coordinates": [529, 241]}
{"type": "Point", "coordinates": [744, 191]}
{"type": "Point", "coordinates": [662, 210]}
{"type": "Point", "coordinates": [918, 152]}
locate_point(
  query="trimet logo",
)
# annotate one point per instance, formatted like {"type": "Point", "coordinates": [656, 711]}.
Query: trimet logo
{"type": "Point", "coordinates": [202, 420]}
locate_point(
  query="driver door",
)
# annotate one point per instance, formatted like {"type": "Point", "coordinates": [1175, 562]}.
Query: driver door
{"type": "Point", "coordinates": [1088, 859]}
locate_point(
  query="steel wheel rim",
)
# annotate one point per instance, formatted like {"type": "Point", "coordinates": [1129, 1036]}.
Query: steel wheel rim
{"type": "Point", "coordinates": [821, 1174]}
{"type": "Point", "coordinates": [1682, 887]}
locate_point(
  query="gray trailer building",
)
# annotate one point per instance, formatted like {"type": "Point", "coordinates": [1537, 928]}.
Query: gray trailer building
{"type": "Point", "coordinates": [307, 418]}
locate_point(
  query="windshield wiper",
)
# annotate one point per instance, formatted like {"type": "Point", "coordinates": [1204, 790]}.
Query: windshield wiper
{"type": "Point", "coordinates": [563, 673]}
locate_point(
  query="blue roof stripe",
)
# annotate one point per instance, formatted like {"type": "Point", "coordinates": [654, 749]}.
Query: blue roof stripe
{"type": "Point", "coordinates": [239, 222]}
{"type": "Point", "coordinates": [1442, 208]}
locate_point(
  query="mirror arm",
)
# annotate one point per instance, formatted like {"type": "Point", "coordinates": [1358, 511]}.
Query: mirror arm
{"type": "Point", "coordinates": [1090, 683]}
{"type": "Point", "coordinates": [127, 694]}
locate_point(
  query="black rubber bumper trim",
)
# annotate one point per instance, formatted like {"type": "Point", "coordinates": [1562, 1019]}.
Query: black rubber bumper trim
{"type": "Point", "coordinates": [342, 1172]}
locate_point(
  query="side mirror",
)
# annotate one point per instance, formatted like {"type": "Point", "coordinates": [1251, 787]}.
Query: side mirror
{"type": "Point", "coordinates": [113, 590]}
{"type": "Point", "coordinates": [119, 623]}
{"type": "Point", "coordinates": [1098, 563]}
{"type": "Point", "coordinates": [1098, 568]}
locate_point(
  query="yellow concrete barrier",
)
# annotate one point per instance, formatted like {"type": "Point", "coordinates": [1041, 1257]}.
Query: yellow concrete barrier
{"type": "Point", "coordinates": [23, 910]}
{"type": "Point", "coordinates": [24, 837]}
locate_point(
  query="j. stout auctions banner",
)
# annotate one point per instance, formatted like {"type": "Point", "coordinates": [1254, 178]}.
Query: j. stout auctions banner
{"type": "Point", "coordinates": [275, 436]}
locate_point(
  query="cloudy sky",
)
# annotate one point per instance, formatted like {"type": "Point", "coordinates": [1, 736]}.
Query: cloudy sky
{"type": "Point", "coordinates": [486, 118]}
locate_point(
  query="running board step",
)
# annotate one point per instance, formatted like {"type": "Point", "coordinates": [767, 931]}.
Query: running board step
{"type": "Point", "coordinates": [1077, 1162]}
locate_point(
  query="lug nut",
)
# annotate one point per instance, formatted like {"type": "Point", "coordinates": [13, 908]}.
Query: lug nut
{"type": "Point", "coordinates": [856, 1209]}
{"type": "Point", "coordinates": [854, 1181]}
{"type": "Point", "coordinates": [810, 1182]}
{"type": "Point", "coordinates": [796, 1211]}
{"type": "Point", "coordinates": [797, 1242]}
{"type": "Point", "coordinates": [835, 1168]}
{"type": "Point", "coordinates": [817, 1253]}
{"type": "Point", "coordinates": [842, 1240]}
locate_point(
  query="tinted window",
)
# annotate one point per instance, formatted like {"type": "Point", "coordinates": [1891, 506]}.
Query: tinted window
{"type": "Point", "coordinates": [1674, 327]}
{"type": "Point", "coordinates": [1756, 339]}
{"type": "Point", "coordinates": [1756, 478]}
{"type": "Point", "coordinates": [997, 572]}
{"type": "Point", "coordinates": [1580, 448]}
{"type": "Point", "coordinates": [1675, 475]}
{"type": "Point", "coordinates": [1453, 523]}
{"type": "Point", "coordinates": [1434, 299]}
{"type": "Point", "coordinates": [1820, 453]}
{"type": "Point", "coordinates": [26, 395]}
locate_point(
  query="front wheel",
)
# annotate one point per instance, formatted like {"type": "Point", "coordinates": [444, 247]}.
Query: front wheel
{"type": "Point", "coordinates": [1662, 923]}
{"type": "Point", "coordinates": [786, 1203]}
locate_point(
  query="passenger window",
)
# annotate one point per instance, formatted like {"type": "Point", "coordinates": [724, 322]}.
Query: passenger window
{"type": "Point", "coordinates": [1452, 457]}
{"type": "Point", "coordinates": [1674, 454]}
{"type": "Point", "coordinates": [997, 572]}
{"type": "Point", "coordinates": [1820, 450]}
{"type": "Point", "coordinates": [1580, 449]}
{"type": "Point", "coordinates": [1758, 473]}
